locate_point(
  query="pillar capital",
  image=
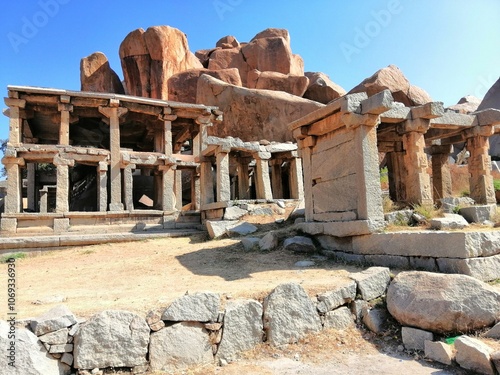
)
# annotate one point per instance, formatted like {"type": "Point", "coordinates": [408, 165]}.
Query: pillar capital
{"type": "Point", "coordinates": [417, 125]}
{"type": "Point", "coordinates": [64, 107]}
{"type": "Point", "coordinates": [479, 131]}
{"type": "Point", "coordinates": [440, 149]}
{"type": "Point", "coordinates": [112, 111]}
{"type": "Point", "coordinates": [11, 102]}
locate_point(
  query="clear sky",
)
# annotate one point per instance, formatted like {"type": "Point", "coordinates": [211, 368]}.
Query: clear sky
{"type": "Point", "coordinates": [450, 48]}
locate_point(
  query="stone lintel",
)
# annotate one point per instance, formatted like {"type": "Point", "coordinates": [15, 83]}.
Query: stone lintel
{"type": "Point", "coordinates": [13, 161]}
{"type": "Point", "coordinates": [353, 120]}
{"type": "Point", "coordinates": [11, 102]}
{"type": "Point", "coordinates": [419, 125]}
{"type": "Point", "coordinates": [60, 160]}
{"type": "Point", "coordinates": [204, 119]}
{"type": "Point", "coordinates": [262, 155]}
{"type": "Point", "coordinates": [213, 206]}
{"type": "Point", "coordinates": [397, 114]}
{"type": "Point", "coordinates": [351, 102]}
{"type": "Point", "coordinates": [479, 131]}
{"type": "Point", "coordinates": [452, 120]}
{"type": "Point", "coordinates": [428, 111]}
{"type": "Point", "coordinates": [65, 99]}
{"type": "Point", "coordinates": [300, 133]}
{"type": "Point", "coordinates": [488, 117]}
{"type": "Point", "coordinates": [307, 142]}
{"type": "Point", "coordinates": [378, 103]}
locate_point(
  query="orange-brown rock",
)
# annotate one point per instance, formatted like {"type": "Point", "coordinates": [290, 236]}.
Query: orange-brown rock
{"type": "Point", "coordinates": [297, 66]}
{"type": "Point", "coordinates": [393, 79]}
{"type": "Point", "coordinates": [97, 76]}
{"type": "Point", "coordinates": [227, 42]}
{"type": "Point", "coordinates": [182, 86]}
{"type": "Point", "coordinates": [229, 58]}
{"type": "Point", "coordinates": [321, 88]}
{"type": "Point", "coordinates": [252, 114]}
{"type": "Point", "coordinates": [273, 33]}
{"type": "Point", "coordinates": [295, 85]}
{"type": "Point", "coordinates": [269, 54]}
{"type": "Point", "coordinates": [151, 57]}
{"type": "Point", "coordinates": [466, 105]}
{"type": "Point", "coordinates": [204, 55]}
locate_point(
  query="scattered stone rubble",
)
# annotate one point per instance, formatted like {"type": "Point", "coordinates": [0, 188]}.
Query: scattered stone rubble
{"type": "Point", "coordinates": [196, 330]}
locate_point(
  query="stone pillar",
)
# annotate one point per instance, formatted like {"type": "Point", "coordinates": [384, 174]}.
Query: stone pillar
{"type": "Point", "coordinates": [163, 139]}
{"type": "Point", "coordinates": [481, 180]}
{"type": "Point", "coordinates": [262, 180]}
{"type": "Point", "coordinates": [44, 199]}
{"type": "Point", "coordinates": [243, 178]}
{"type": "Point", "coordinates": [441, 176]}
{"type": "Point", "coordinates": [223, 179]}
{"type": "Point", "coordinates": [296, 180]}
{"type": "Point", "coordinates": [113, 113]}
{"type": "Point", "coordinates": [276, 178]}
{"type": "Point", "coordinates": [31, 188]}
{"type": "Point", "coordinates": [65, 108]}
{"type": "Point", "coordinates": [397, 175]}
{"type": "Point", "coordinates": [128, 187]}
{"type": "Point", "coordinates": [195, 189]}
{"type": "Point", "coordinates": [15, 121]}
{"type": "Point", "coordinates": [206, 183]}
{"type": "Point", "coordinates": [13, 199]}
{"type": "Point", "coordinates": [418, 182]}
{"type": "Point", "coordinates": [178, 190]}
{"type": "Point", "coordinates": [62, 190]}
{"type": "Point", "coordinates": [168, 183]}
{"type": "Point", "coordinates": [102, 186]}
{"type": "Point", "coordinates": [306, 146]}
{"type": "Point", "coordinates": [369, 197]}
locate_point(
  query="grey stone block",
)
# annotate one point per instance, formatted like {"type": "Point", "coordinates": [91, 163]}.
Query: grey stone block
{"type": "Point", "coordinates": [339, 296]}
{"type": "Point", "coordinates": [335, 243]}
{"type": "Point", "coordinates": [346, 257]}
{"type": "Point", "coordinates": [414, 339]}
{"type": "Point", "coordinates": [423, 263]}
{"type": "Point", "coordinates": [450, 221]}
{"type": "Point", "coordinates": [478, 214]}
{"type": "Point", "coordinates": [439, 352]}
{"type": "Point", "coordinates": [241, 229]}
{"type": "Point", "coordinates": [250, 243]}
{"type": "Point", "coordinates": [494, 333]}
{"type": "Point", "coordinates": [375, 319]}
{"type": "Point", "coordinates": [484, 268]}
{"type": "Point", "coordinates": [269, 241]}
{"type": "Point", "coordinates": [55, 319]}
{"type": "Point", "coordinates": [372, 283]}
{"type": "Point", "coordinates": [474, 355]}
{"type": "Point", "coordinates": [198, 307]}
{"type": "Point", "coordinates": [340, 318]}
{"type": "Point", "coordinates": [391, 261]}
{"type": "Point", "coordinates": [234, 213]}
{"type": "Point", "coordinates": [299, 244]}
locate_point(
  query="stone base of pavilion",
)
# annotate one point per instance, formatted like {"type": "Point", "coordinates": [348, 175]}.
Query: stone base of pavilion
{"type": "Point", "coordinates": [473, 253]}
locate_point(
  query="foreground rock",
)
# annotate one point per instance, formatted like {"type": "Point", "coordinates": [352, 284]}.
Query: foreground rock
{"type": "Point", "coordinates": [180, 346]}
{"type": "Point", "coordinates": [111, 339]}
{"type": "Point", "coordinates": [97, 76]}
{"type": "Point", "coordinates": [243, 328]}
{"type": "Point", "coordinates": [53, 320]}
{"type": "Point", "coordinates": [442, 303]}
{"type": "Point", "coordinates": [289, 314]}
{"type": "Point", "coordinates": [31, 357]}
{"type": "Point", "coordinates": [372, 282]}
{"type": "Point", "coordinates": [198, 307]}
{"type": "Point", "coordinates": [251, 114]}
{"type": "Point", "coordinates": [392, 78]}
{"type": "Point", "coordinates": [473, 355]}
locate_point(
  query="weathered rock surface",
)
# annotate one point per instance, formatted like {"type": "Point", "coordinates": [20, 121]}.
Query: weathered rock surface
{"type": "Point", "coordinates": [460, 303]}
{"type": "Point", "coordinates": [111, 338]}
{"type": "Point", "coordinates": [372, 282]}
{"type": "Point", "coordinates": [218, 228]}
{"type": "Point", "coordinates": [340, 318]}
{"type": "Point", "coordinates": [492, 100]}
{"type": "Point", "coordinates": [449, 221]}
{"type": "Point", "coordinates": [269, 241]}
{"type": "Point", "coordinates": [97, 76]}
{"type": "Point", "coordinates": [339, 296]}
{"type": "Point", "coordinates": [289, 314]}
{"type": "Point", "coordinates": [414, 339]}
{"type": "Point", "coordinates": [250, 243]}
{"type": "Point", "coordinates": [321, 88]}
{"type": "Point", "coordinates": [466, 104]}
{"type": "Point", "coordinates": [30, 356]}
{"type": "Point", "coordinates": [375, 319]}
{"type": "Point", "coordinates": [180, 346]}
{"type": "Point", "coordinates": [243, 328]}
{"type": "Point", "coordinates": [252, 114]}
{"type": "Point", "coordinates": [182, 86]}
{"type": "Point", "coordinates": [234, 213]}
{"type": "Point", "coordinates": [439, 352]}
{"type": "Point", "coordinates": [393, 79]}
{"type": "Point", "coordinates": [295, 85]}
{"type": "Point", "coordinates": [269, 54]}
{"type": "Point", "coordinates": [228, 41]}
{"type": "Point", "coordinates": [494, 332]}
{"type": "Point", "coordinates": [198, 307]}
{"type": "Point", "coordinates": [55, 319]}
{"type": "Point", "coordinates": [229, 58]}
{"type": "Point", "coordinates": [54, 338]}
{"type": "Point", "coordinates": [241, 229]}
{"type": "Point", "coordinates": [149, 58]}
{"type": "Point", "coordinates": [478, 213]}
{"type": "Point", "coordinates": [474, 355]}
{"type": "Point", "coordinates": [299, 244]}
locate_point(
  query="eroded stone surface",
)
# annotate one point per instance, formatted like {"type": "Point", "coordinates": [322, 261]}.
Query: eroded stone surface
{"type": "Point", "coordinates": [199, 307]}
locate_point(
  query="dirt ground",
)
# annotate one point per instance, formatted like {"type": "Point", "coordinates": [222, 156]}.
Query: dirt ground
{"type": "Point", "coordinates": [140, 276]}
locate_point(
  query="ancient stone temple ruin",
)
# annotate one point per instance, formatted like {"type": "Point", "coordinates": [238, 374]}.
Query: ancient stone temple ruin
{"type": "Point", "coordinates": [100, 159]}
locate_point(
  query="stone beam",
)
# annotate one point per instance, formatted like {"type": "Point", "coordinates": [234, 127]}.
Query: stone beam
{"type": "Point", "coordinates": [428, 111]}
{"type": "Point", "coordinates": [378, 103]}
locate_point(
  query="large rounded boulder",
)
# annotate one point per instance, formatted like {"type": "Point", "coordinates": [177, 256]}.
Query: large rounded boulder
{"type": "Point", "coordinates": [442, 303]}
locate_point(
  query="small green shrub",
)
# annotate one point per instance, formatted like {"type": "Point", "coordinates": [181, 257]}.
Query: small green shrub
{"type": "Point", "coordinates": [496, 184]}
{"type": "Point", "coordinates": [428, 211]}
{"type": "Point", "coordinates": [6, 258]}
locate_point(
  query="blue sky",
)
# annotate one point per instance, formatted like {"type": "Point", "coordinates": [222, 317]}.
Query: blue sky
{"type": "Point", "coordinates": [448, 47]}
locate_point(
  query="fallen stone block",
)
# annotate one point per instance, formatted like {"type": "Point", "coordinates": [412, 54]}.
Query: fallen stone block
{"type": "Point", "coordinates": [449, 221]}
{"type": "Point", "coordinates": [401, 217]}
{"type": "Point", "coordinates": [269, 241]}
{"type": "Point", "coordinates": [243, 328]}
{"type": "Point", "coordinates": [180, 346]}
{"type": "Point", "coordinates": [250, 243]}
{"type": "Point", "coordinates": [289, 314]}
{"type": "Point", "coordinates": [339, 296]}
{"type": "Point", "coordinates": [375, 319]}
{"type": "Point", "coordinates": [478, 214]}
{"type": "Point", "coordinates": [218, 228]}
{"type": "Point", "coordinates": [439, 352]}
{"type": "Point", "coordinates": [414, 338]}
{"type": "Point", "coordinates": [340, 318]}
{"type": "Point", "coordinates": [234, 213]}
{"type": "Point", "coordinates": [55, 319]}
{"type": "Point", "coordinates": [299, 244]}
{"type": "Point", "coordinates": [304, 263]}
{"type": "Point", "coordinates": [67, 358]}
{"type": "Point", "coordinates": [450, 204]}
{"type": "Point", "coordinates": [241, 229]}
{"type": "Point", "coordinates": [493, 333]}
{"type": "Point", "coordinates": [372, 282]}
{"type": "Point", "coordinates": [358, 307]}
{"type": "Point", "coordinates": [198, 307]}
{"type": "Point", "coordinates": [55, 338]}
{"type": "Point", "coordinates": [474, 355]}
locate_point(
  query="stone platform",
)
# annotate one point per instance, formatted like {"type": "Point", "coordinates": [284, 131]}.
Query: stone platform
{"type": "Point", "coordinates": [473, 253]}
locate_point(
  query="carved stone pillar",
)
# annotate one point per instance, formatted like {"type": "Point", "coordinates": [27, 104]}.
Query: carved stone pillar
{"type": "Point", "coordinates": [15, 121]}
{"type": "Point", "coordinates": [65, 108]}
{"type": "Point", "coordinates": [276, 178]}
{"type": "Point", "coordinates": [223, 179]}
{"type": "Point", "coordinates": [62, 190]}
{"type": "Point", "coordinates": [128, 187]}
{"type": "Point", "coordinates": [178, 190]}
{"type": "Point", "coordinates": [262, 179]}
{"type": "Point", "coordinates": [243, 178]}
{"type": "Point", "coordinates": [441, 176]}
{"type": "Point", "coordinates": [397, 175]}
{"type": "Point", "coordinates": [481, 180]}
{"type": "Point", "coordinates": [102, 186]}
{"type": "Point", "coordinates": [306, 146]}
{"type": "Point", "coordinates": [31, 188]}
{"type": "Point", "coordinates": [13, 199]}
{"type": "Point", "coordinates": [113, 113]}
{"type": "Point", "coordinates": [206, 182]}
{"type": "Point", "coordinates": [296, 180]}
